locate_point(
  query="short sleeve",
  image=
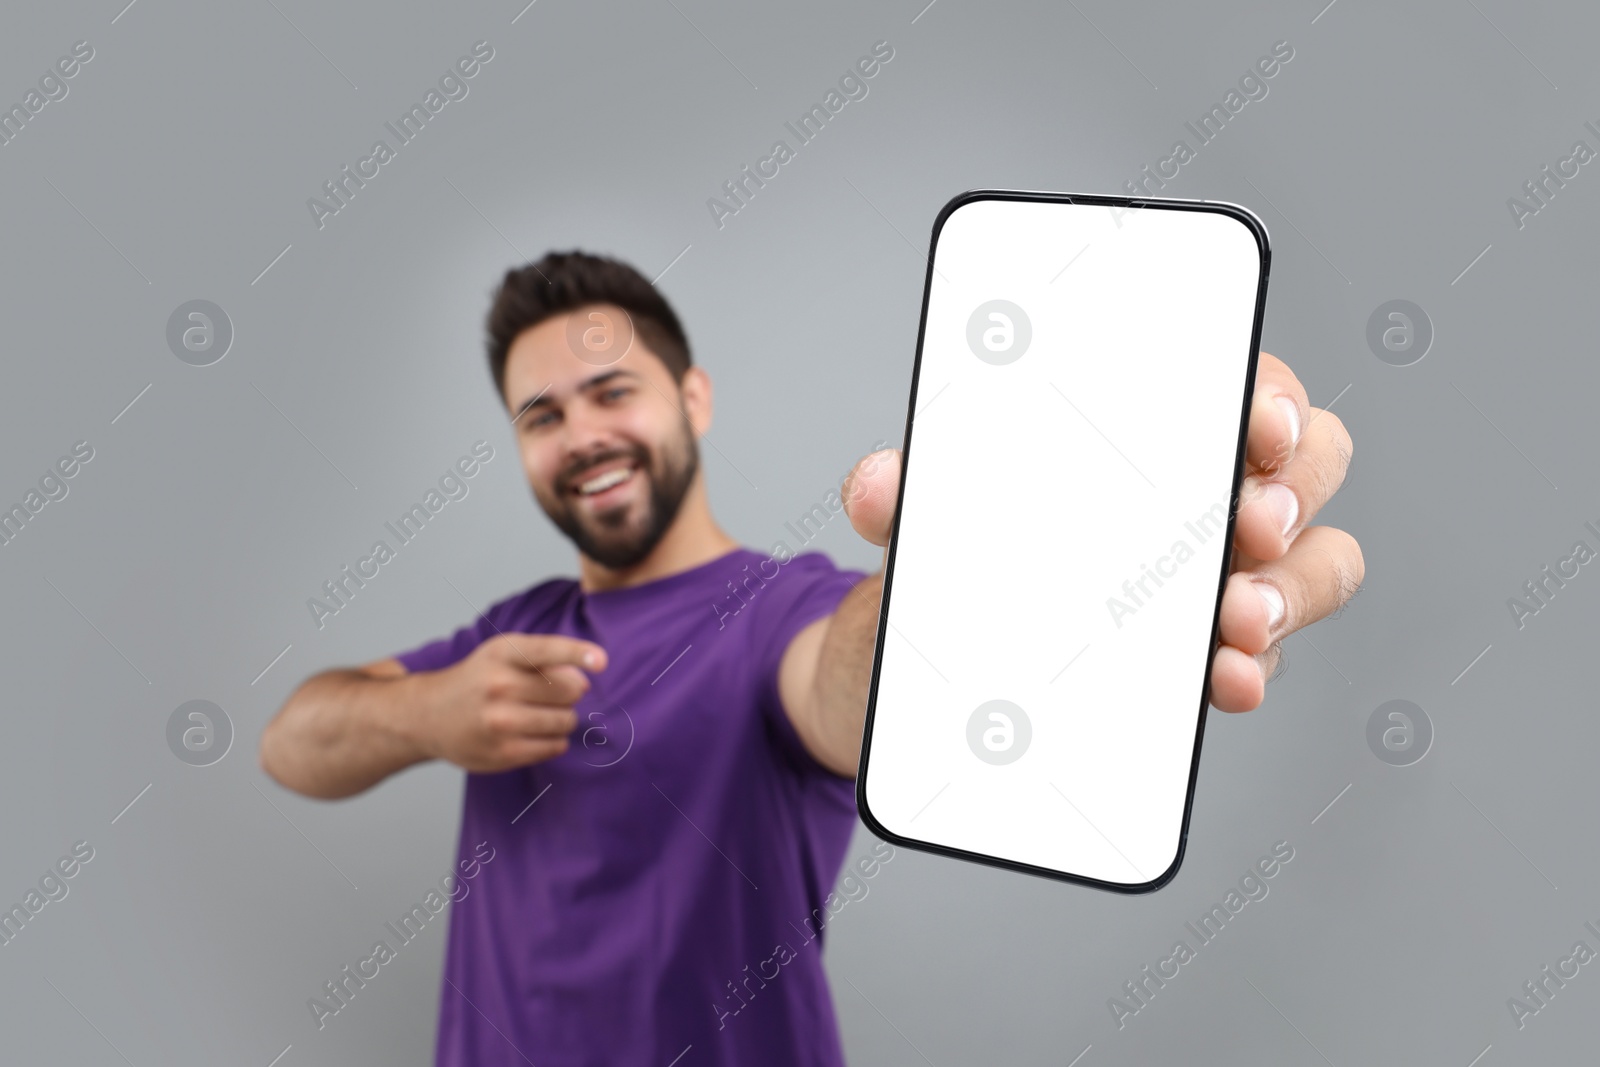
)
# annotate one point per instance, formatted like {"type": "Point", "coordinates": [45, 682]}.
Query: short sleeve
{"type": "Point", "coordinates": [807, 588]}
{"type": "Point", "coordinates": [443, 652]}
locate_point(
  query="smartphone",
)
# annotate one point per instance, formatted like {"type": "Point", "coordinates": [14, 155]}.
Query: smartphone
{"type": "Point", "coordinates": [1072, 459]}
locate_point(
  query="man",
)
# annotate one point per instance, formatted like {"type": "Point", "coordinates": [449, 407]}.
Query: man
{"type": "Point", "coordinates": [661, 752]}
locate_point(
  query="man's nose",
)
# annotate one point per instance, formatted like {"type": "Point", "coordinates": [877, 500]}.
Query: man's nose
{"type": "Point", "coordinates": [587, 436]}
{"type": "Point", "coordinates": [585, 429]}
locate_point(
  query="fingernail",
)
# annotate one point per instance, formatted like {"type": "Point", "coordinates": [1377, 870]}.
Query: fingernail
{"type": "Point", "coordinates": [1283, 504]}
{"type": "Point", "coordinates": [1291, 412]}
{"type": "Point", "coordinates": [590, 659]}
{"type": "Point", "coordinates": [1274, 601]}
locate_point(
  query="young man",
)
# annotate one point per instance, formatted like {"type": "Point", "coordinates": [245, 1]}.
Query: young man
{"type": "Point", "coordinates": [661, 752]}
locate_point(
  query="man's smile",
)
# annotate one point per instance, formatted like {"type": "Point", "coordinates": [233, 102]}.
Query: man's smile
{"type": "Point", "coordinates": [605, 483]}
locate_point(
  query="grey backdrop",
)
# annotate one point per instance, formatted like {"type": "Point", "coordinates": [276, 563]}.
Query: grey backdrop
{"type": "Point", "coordinates": [177, 567]}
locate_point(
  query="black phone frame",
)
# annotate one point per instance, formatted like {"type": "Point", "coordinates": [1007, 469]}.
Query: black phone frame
{"type": "Point", "coordinates": [1130, 203]}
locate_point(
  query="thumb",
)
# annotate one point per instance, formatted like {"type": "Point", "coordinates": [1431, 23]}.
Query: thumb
{"type": "Point", "coordinates": [871, 493]}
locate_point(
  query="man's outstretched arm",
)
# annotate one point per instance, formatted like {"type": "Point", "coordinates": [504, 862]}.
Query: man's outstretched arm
{"type": "Point", "coordinates": [824, 677]}
{"type": "Point", "coordinates": [1286, 574]}
{"type": "Point", "coordinates": [508, 704]}
{"type": "Point", "coordinates": [343, 731]}
{"type": "Point", "coordinates": [827, 669]}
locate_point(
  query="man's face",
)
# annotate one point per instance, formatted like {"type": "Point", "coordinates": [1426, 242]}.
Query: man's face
{"type": "Point", "coordinates": [608, 444]}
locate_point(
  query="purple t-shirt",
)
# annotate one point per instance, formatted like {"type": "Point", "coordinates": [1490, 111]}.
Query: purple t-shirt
{"type": "Point", "coordinates": [656, 893]}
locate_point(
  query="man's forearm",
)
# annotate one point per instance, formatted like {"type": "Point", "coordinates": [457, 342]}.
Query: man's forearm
{"type": "Point", "coordinates": [844, 675]}
{"type": "Point", "coordinates": [344, 731]}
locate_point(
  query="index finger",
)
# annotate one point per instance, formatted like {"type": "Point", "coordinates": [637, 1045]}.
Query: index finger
{"type": "Point", "coordinates": [534, 651]}
{"type": "Point", "coordinates": [1279, 412]}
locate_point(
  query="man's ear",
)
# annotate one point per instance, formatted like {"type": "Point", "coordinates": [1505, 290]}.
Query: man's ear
{"type": "Point", "coordinates": [696, 391]}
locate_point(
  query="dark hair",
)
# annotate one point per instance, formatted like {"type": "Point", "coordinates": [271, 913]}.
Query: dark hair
{"type": "Point", "coordinates": [565, 281]}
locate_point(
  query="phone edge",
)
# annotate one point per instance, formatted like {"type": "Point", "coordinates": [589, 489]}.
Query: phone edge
{"type": "Point", "coordinates": [1258, 230]}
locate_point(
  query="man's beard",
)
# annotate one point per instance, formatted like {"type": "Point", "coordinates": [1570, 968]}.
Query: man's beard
{"type": "Point", "coordinates": [613, 538]}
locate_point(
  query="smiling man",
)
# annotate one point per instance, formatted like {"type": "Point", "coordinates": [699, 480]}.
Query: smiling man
{"type": "Point", "coordinates": [668, 781]}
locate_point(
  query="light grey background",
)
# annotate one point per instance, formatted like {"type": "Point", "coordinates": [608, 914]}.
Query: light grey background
{"type": "Point", "coordinates": [178, 567]}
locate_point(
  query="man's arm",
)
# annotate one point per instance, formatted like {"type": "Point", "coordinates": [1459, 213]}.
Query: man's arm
{"type": "Point", "coordinates": [507, 704]}
{"type": "Point", "coordinates": [825, 673]}
{"type": "Point", "coordinates": [343, 731]}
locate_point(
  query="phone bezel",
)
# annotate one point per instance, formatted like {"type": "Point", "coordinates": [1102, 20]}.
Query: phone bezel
{"type": "Point", "coordinates": [1259, 231]}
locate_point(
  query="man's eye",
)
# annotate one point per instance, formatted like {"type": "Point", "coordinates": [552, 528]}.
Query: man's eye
{"type": "Point", "coordinates": [537, 420]}
{"type": "Point", "coordinates": [618, 391]}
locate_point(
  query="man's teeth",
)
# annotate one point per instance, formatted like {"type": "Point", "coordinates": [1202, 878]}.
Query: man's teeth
{"type": "Point", "coordinates": [604, 481]}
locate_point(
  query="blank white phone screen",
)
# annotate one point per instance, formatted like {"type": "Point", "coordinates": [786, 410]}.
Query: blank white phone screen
{"type": "Point", "coordinates": [1054, 577]}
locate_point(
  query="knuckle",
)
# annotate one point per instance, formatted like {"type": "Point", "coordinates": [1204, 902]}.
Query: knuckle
{"type": "Point", "coordinates": [498, 684]}
{"type": "Point", "coordinates": [1342, 576]}
{"type": "Point", "coordinates": [1322, 460]}
{"type": "Point", "coordinates": [1344, 450]}
{"type": "Point", "coordinates": [554, 645]}
{"type": "Point", "coordinates": [563, 690]}
{"type": "Point", "coordinates": [1348, 563]}
{"type": "Point", "coordinates": [1351, 572]}
{"type": "Point", "coordinates": [1342, 441]}
{"type": "Point", "coordinates": [1300, 593]}
{"type": "Point", "coordinates": [1273, 663]}
{"type": "Point", "coordinates": [1329, 478]}
{"type": "Point", "coordinates": [1358, 565]}
{"type": "Point", "coordinates": [499, 721]}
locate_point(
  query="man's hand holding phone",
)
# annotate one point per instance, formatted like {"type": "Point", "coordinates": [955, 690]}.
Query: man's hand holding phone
{"type": "Point", "coordinates": [1286, 573]}
{"type": "Point", "coordinates": [1297, 457]}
